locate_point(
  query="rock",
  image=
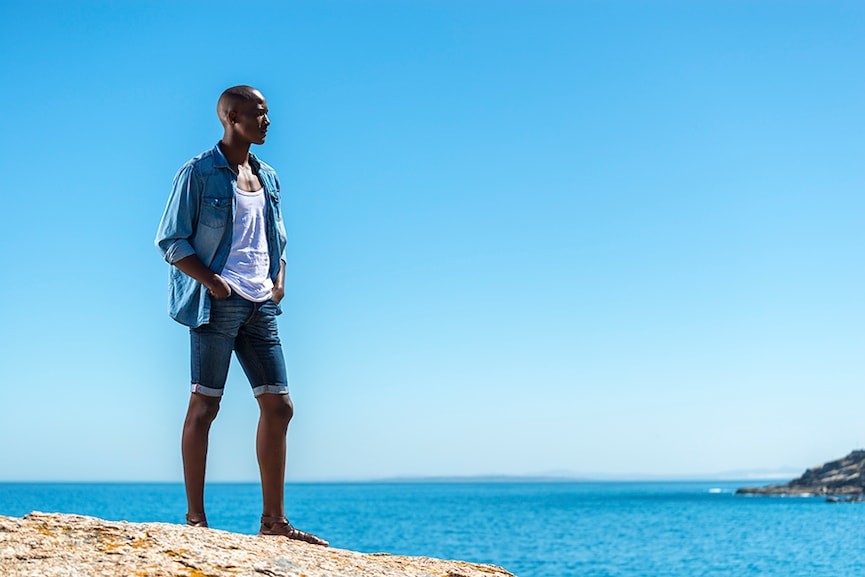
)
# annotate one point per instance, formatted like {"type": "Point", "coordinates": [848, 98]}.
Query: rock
{"type": "Point", "coordinates": [843, 477]}
{"type": "Point", "coordinates": [850, 499]}
{"type": "Point", "coordinates": [55, 545]}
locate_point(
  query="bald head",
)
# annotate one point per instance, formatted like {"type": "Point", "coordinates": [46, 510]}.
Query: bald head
{"type": "Point", "coordinates": [235, 97]}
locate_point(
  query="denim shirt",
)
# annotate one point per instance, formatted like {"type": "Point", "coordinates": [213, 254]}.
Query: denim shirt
{"type": "Point", "coordinates": [199, 218]}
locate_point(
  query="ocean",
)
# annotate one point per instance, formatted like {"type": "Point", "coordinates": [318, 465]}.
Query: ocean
{"type": "Point", "coordinates": [585, 529]}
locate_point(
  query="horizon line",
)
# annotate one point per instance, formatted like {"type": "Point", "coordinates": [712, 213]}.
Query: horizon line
{"type": "Point", "coordinates": [443, 479]}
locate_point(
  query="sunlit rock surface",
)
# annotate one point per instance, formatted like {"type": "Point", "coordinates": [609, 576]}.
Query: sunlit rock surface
{"type": "Point", "coordinates": [55, 545]}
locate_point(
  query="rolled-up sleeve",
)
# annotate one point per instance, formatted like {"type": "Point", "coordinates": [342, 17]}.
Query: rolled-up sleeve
{"type": "Point", "coordinates": [177, 224]}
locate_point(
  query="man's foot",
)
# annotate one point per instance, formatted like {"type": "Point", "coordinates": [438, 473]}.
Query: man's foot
{"type": "Point", "coordinates": [196, 520]}
{"type": "Point", "coordinates": [281, 526]}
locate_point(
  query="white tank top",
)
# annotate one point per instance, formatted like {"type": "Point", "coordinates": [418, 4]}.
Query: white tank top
{"type": "Point", "coordinates": [248, 267]}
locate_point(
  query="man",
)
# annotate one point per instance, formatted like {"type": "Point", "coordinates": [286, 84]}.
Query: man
{"type": "Point", "coordinates": [223, 233]}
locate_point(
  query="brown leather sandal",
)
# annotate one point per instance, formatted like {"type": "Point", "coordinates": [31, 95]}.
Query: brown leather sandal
{"type": "Point", "coordinates": [196, 520]}
{"type": "Point", "coordinates": [281, 526]}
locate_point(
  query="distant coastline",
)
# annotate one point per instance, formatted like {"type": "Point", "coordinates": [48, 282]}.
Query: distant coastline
{"type": "Point", "coordinates": [844, 478]}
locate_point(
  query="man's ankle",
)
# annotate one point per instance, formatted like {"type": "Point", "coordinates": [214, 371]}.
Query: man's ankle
{"type": "Point", "coordinates": [196, 519]}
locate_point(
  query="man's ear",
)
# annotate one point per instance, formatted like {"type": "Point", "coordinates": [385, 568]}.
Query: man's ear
{"type": "Point", "coordinates": [231, 116]}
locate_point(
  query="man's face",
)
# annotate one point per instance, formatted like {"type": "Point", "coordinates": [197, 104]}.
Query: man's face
{"type": "Point", "coordinates": [251, 121]}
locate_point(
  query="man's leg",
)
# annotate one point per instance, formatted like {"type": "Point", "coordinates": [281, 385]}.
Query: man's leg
{"type": "Point", "coordinates": [260, 354]}
{"type": "Point", "coordinates": [270, 443]}
{"type": "Point", "coordinates": [276, 412]}
{"type": "Point", "coordinates": [196, 429]}
{"type": "Point", "coordinates": [210, 355]}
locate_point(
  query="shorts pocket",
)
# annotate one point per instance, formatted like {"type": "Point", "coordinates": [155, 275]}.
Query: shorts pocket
{"type": "Point", "coordinates": [272, 308]}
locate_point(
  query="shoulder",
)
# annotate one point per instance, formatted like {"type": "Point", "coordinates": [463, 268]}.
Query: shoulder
{"type": "Point", "coordinates": [192, 165]}
{"type": "Point", "coordinates": [208, 161]}
{"type": "Point", "coordinates": [199, 170]}
{"type": "Point", "coordinates": [205, 161]}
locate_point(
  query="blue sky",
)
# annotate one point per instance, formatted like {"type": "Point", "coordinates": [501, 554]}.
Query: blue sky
{"type": "Point", "coordinates": [602, 238]}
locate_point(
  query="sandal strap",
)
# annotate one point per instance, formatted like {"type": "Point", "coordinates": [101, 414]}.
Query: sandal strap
{"type": "Point", "coordinates": [196, 520]}
{"type": "Point", "coordinates": [280, 526]}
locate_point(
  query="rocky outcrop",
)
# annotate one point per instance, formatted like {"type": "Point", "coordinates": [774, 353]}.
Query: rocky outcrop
{"type": "Point", "coordinates": [54, 545]}
{"type": "Point", "coordinates": [844, 477]}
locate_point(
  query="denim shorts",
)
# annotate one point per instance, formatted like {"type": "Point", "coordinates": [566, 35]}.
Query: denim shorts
{"type": "Point", "coordinates": [247, 328]}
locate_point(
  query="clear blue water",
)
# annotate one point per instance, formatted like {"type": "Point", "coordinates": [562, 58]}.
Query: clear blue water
{"type": "Point", "coordinates": [531, 529]}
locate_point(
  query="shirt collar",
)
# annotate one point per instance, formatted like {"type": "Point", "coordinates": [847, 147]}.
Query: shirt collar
{"type": "Point", "coordinates": [219, 160]}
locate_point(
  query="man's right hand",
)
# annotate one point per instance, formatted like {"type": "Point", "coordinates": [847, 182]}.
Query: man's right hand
{"type": "Point", "coordinates": [218, 288]}
{"type": "Point", "coordinates": [214, 283]}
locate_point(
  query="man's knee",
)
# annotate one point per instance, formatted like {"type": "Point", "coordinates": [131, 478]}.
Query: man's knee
{"type": "Point", "coordinates": [202, 409]}
{"type": "Point", "coordinates": [276, 407]}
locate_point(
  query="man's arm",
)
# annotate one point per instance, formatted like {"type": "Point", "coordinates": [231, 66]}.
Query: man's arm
{"type": "Point", "coordinates": [177, 226]}
{"type": "Point", "coordinates": [278, 291]}
{"type": "Point", "coordinates": [215, 284]}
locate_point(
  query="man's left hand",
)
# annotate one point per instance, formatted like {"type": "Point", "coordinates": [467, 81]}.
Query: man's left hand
{"type": "Point", "coordinates": [277, 294]}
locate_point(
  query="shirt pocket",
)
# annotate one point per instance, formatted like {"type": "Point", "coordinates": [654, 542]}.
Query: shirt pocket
{"type": "Point", "coordinates": [215, 212]}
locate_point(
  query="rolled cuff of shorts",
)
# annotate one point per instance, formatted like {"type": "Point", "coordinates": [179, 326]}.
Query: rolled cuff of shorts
{"type": "Point", "coordinates": [206, 391]}
{"type": "Point", "coordinates": [272, 389]}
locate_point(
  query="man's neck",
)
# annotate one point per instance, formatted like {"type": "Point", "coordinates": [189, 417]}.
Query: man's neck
{"type": "Point", "coordinates": [236, 153]}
